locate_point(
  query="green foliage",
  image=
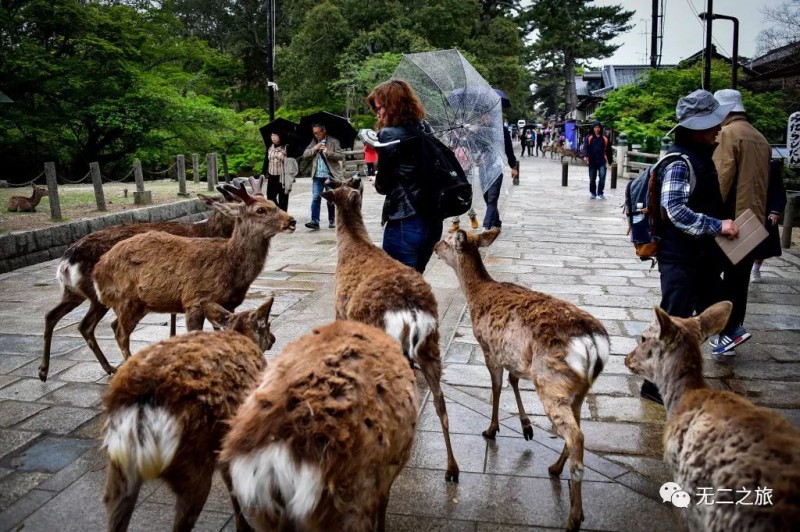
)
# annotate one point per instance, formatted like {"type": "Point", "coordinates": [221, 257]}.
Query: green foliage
{"type": "Point", "coordinates": [646, 110]}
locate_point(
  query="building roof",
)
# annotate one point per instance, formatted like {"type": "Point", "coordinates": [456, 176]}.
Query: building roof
{"type": "Point", "coordinates": [764, 62]}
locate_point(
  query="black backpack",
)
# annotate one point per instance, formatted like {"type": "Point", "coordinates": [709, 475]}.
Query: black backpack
{"type": "Point", "coordinates": [452, 190]}
{"type": "Point", "coordinates": [643, 206]}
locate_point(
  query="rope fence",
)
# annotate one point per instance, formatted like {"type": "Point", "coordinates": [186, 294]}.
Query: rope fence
{"type": "Point", "coordinates": [17, 185]}
{"type": "Point", "coordinates": [75, 181]}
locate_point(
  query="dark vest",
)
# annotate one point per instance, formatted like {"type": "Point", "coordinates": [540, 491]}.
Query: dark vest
{"type": "Point", "coordinates": [706, 198]}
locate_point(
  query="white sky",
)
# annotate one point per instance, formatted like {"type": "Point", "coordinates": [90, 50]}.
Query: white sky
{"type": "Point", "coordinates": [683, 33]}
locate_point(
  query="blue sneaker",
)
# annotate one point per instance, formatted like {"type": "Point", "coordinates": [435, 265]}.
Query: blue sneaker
{"type": "Point", "coordinates": [600, 196]}
{"type": "Point", "coordinates": [728, 342]}
{"type": "Point", "coordinates": [592, 196]}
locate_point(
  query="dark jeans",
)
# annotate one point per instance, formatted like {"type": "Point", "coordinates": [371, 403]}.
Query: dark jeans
{"type": "Point", "coordinates": [411, 241]}
{"type": "Point", "coordinates": [735, 285]}
{"type": "Point", "coordinates": [522, 153]}
{"type": "Point", "coordinates": [317, 186]}
{"type": "Point", "coordinates": [491, 196]}
{"type": "Point", "coordinates": [370, 169]}
{"type": "Point", "coordinates": [276, 194]}
{"type": "Point", "coordinates": [593, 171]}
{"type": "Point", "coordinates": [689, 287]}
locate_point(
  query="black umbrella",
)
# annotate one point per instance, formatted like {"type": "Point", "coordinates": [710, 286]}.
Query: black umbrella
{"type": "Point", "coordinates": [290, 135]}
{"type": "Point", "coordinates": [335, 125]}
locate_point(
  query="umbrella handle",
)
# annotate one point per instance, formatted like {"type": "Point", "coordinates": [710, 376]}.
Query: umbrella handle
{"type": "Point", "coordinates": [382, 144]}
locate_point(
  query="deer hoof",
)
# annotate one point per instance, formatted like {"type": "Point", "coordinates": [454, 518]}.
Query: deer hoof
{"type": "Point", "coordinates": [574, 523]}
{"type": "Point", "coordinates": [110, 370]}
{"type": "Point", "coordinates": [451, 476]}
{"type": "Point", "coordinates": [527, 432]}
{"type": "Point", "coordinates": [43, 371]}
{"type": "Point", "coordinates": [489, 434]}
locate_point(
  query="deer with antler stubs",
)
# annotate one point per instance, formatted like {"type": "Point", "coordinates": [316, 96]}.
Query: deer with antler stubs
{"type": "Point", "coordinates": [158, 272]}
{"type": "Point", "coordinates": [23, 204]}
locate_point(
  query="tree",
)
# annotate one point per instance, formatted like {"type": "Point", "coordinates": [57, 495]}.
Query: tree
{"type": "Point", "coordinates": [783, 28]}
{"type": "Point", "coordinates": [576, 31]}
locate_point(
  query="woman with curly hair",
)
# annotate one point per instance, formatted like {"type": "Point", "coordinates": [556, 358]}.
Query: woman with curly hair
{"type": "Point", "coordinates": [411, 224]}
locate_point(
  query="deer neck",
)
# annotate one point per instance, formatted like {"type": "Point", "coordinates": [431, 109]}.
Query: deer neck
{"type": "Point", "coordinates": [350, 227]}
{"type": "Point", "coordinates": [472, 273]}
{"type": "Point", "coordinates": [247, 249]}
{"type": "Point", "coordinates": [681, 372]}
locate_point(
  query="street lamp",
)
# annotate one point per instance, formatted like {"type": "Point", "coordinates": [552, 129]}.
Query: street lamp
{"type": "Point", "coordinates": [735, 58]}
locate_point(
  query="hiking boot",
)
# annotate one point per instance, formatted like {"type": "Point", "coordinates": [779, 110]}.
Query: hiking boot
{"type": "Point", "coordinates": [473, 221]}
{"type": "Point", "coordinates": [650, 392]}
{"type": "Point", "coordinates": [454, 226]}
{"type": "Point", "coordinates": [728, 342]}
{"type": "Point", "coordinates": [312, 225]}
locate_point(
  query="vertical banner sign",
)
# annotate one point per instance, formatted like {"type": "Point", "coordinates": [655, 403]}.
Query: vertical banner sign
{"type": "Point", "coordinates": [793, 140]}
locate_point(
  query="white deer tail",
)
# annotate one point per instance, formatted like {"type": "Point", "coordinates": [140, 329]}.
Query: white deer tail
{"type": "Point", "coordinates": [588, 355]}
{"type": "Point", "coordinates": [411, 328]}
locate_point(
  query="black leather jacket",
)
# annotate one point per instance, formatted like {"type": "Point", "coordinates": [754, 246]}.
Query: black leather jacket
{"type": "Point", "coordinates": [401, 176]}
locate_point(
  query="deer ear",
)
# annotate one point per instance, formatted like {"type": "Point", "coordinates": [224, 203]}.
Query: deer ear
{"type": "Point", "coordinates": [218, 316]}
{"type": "Point", "coordinates": [232, 210]}
{"type": "Point", "coordinates": [486, 238]}
{"type": "Point", "coordinates": [714, 318]}
{"type": "Point", "coordinates": [262, 313]}
{"type": "Point", "coordinates": [665, 323]}
{"type": "Point", "coordinates": [209, 200]}
{"type": "Point", "coordinates": [328, 195]}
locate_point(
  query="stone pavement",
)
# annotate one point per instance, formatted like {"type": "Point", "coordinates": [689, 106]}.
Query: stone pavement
{"type": "Point", "coordinates": [554, 240]}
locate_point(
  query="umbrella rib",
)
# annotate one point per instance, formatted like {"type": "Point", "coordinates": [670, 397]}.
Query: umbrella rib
{"type": "Point", "coordinates": [441, 90]}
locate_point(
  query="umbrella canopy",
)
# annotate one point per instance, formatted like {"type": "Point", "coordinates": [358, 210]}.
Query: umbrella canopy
{"type": "Point", "coordinates": [335, 125]}
{"type": "Point", "coordinates": [289, 133]}
{"type": "Point", "coordinates": [462, 108]}
{"type": "Point", "coordinates": [503, 98]}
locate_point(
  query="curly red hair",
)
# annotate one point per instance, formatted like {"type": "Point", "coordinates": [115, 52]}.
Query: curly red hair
{"type": "Point", "coordinates": [400, 101]}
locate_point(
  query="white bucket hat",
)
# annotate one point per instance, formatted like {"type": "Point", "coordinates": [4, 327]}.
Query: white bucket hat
{"type": "Point", "coordinates": [730, 96]}
{"type": "Point", "coordinates": [700, 110]}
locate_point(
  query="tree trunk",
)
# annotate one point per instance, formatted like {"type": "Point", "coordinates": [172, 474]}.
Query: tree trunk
{"type": "Point", "coordinates": [570, 92]}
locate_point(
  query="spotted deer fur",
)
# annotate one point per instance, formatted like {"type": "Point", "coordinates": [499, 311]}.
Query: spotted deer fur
{"type": "Point", "coordinates": [716, 439]}
{"type": "Point", "coordinates": [167, 409]}
{"type": "Point", "coordinates": [559, 347]}
{"type": "Point", "coordinates": [159, 272]}
{"type": "Point", "coordinates": [74, 272]}
{"type": "Point", "coordinates": [373, 288]}
{"type": "Point", "coordinates": [23, 204]}
{"type": "Point", "coordinates": [319, 443]}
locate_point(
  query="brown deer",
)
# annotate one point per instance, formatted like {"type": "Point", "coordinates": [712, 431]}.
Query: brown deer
{"type": "Point", "coordinates": [319, 443]}
{"type": "Point", "coordinates": [559, 347]}
{"type": "Point", "coordinates": [74, 272]}
{"type": "Point", "coordinates": [717, 439]}
{"type": "Point", "coordinates": [167, 410]}
{"type": "Point", "coordinates": [159, 272]}
{"type": "Point", "coordinates": [373, 288]}
{"type": "Point", "coordinates": [23, 204]}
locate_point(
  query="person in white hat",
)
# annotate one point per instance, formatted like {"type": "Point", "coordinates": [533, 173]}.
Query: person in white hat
{"type": "Point", "coordinates": [689, 260]}
{"type": "Point", "coordinates": [742, 160]}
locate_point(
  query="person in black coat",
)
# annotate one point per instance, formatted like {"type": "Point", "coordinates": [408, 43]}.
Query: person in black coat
{"type": "Point", "coordinates": [776, 203]}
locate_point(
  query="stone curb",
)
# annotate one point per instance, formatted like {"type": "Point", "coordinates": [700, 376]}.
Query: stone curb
{"type": "Point", "coordinates": [22, 249]}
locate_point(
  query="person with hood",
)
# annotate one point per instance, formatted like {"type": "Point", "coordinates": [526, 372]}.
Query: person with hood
{"type": "Point", "coordinates": [596, 156]}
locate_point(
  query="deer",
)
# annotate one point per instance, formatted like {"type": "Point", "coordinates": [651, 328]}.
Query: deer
{"type": "Point", "coordinates": [23, 204]}
{"type": "Point", "coordinates": [572, 154]}
{"type": "Point", "coordinates": [715, 438]}
{"type": "Point", "coordinates": [559, 347]}
{"type": "Point", "coordinates": [318, 444]}
{"type": "Point", "coordinates": [74, 272]}
{"type": "Point", "coordinates": [159, 272]}
{"type": "Point", "coordinates": [373, 288]}
{"type": "Point", "coordinates": [166, 411]}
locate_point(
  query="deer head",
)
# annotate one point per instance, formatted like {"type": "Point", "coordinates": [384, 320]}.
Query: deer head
{"type": "Point", "coordinates": [256, 210]}
{"type": "Point", "coordinates": [345, 194]}
{"type": "Point", "coordinates": [455, 245]}
{"type": "Point", "coordinates": [252, 323]}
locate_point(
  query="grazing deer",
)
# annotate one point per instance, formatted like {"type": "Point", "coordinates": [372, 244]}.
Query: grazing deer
{"type": "Point", "coordinates": [373, 288]}
{"type": "Point", "coordinates": [74, 272]}
{"type": "Point", "coordinates": [159, 272]}
{"type": "Point", "coordinates": [319, 443]}
{"type": "Point", "coordinates": [572, 154]}
{"type": "Point", "coordinates": [559, 347]}
{"type": "Point", "coordinates": [23, 204]}
{"type": "Point", "coordinates": [715, 438]}
{"type": "Point", "coordinates": [167, 410]}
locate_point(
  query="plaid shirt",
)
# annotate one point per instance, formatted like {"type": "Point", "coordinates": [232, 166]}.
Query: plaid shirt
{"type": "Point", "coordinates": [322, 165]}
{"type": "Point", "coordinates": [675, 199]}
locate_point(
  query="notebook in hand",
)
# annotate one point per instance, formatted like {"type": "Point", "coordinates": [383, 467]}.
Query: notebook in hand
{"type": "Point", "coordinates": [751, 233]}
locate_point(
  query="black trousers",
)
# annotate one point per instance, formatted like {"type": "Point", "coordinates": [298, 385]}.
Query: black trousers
{"type": "Point", "coordinates": [689, 287]}
{"type": "Point", "coordinates": [276, 194]}
{"type": "Point", "coordinates": [735, 286]}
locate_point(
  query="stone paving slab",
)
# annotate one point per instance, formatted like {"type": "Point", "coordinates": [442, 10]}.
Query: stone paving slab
{"type": "Point", "coordinates": [52, 471]}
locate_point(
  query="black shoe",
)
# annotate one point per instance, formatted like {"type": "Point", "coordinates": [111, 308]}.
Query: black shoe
{"type": "Point", "coordinates": [331, 225]}
{"type": "Point", "coordinates": [312, 225]}
{"type": "Point", "coordinates": [650, 391]}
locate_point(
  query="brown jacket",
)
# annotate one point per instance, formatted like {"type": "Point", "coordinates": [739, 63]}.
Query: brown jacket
{"type": "Point", "coordinates": [742, 158]}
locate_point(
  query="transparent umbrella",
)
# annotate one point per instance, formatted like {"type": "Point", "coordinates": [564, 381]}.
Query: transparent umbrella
{"type": "Point", "coordinates": [462, 108]}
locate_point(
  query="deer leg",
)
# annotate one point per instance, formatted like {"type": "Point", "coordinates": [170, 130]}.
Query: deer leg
{"type": "Point", "coordinates": [561, 412]}
{"type": "Point", "coordinates": [496, 373]}
{"type": "Point", "coordinates": [120, 497]}
{"type": "Point", "coordinates": [173, 326]}
{"type": "Point", "coordinates": [431, 365]}
{"type": "Point", "coordinates": [127, 319]}
{"type": "Point", "coordinates": [69, 301]}
{"type": "Point", "coordinates": [87, 327]}
{"type": "Point", "coordinates": [527, 429]}
{"type": "Point", "coordinates": [194, 489]}
{"type": "Point", "coordinates": [241, 523]}
{"type": "Point", "coordinates": [195, 318]}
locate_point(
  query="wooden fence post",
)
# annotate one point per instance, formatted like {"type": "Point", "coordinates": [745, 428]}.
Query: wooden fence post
{"type": "Point", "coordinates": [790, 214]}
{"type": "Point", "coordinates": [211, 170]}
{"type": "Point", "coordinates": [181, 169]}
{"type": "Point", "coordinates": [622, 154]}
{"type": "Point", "coordinates": [52, 190]}
{"type": "Point", "coordinates": [140, 197]}
{"type": "Point", "coordinates": [613, 176]}
{"type": "Point", "coordinates": [97, 181]}
{"type": "Point", "coordinates": [196, 168]}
